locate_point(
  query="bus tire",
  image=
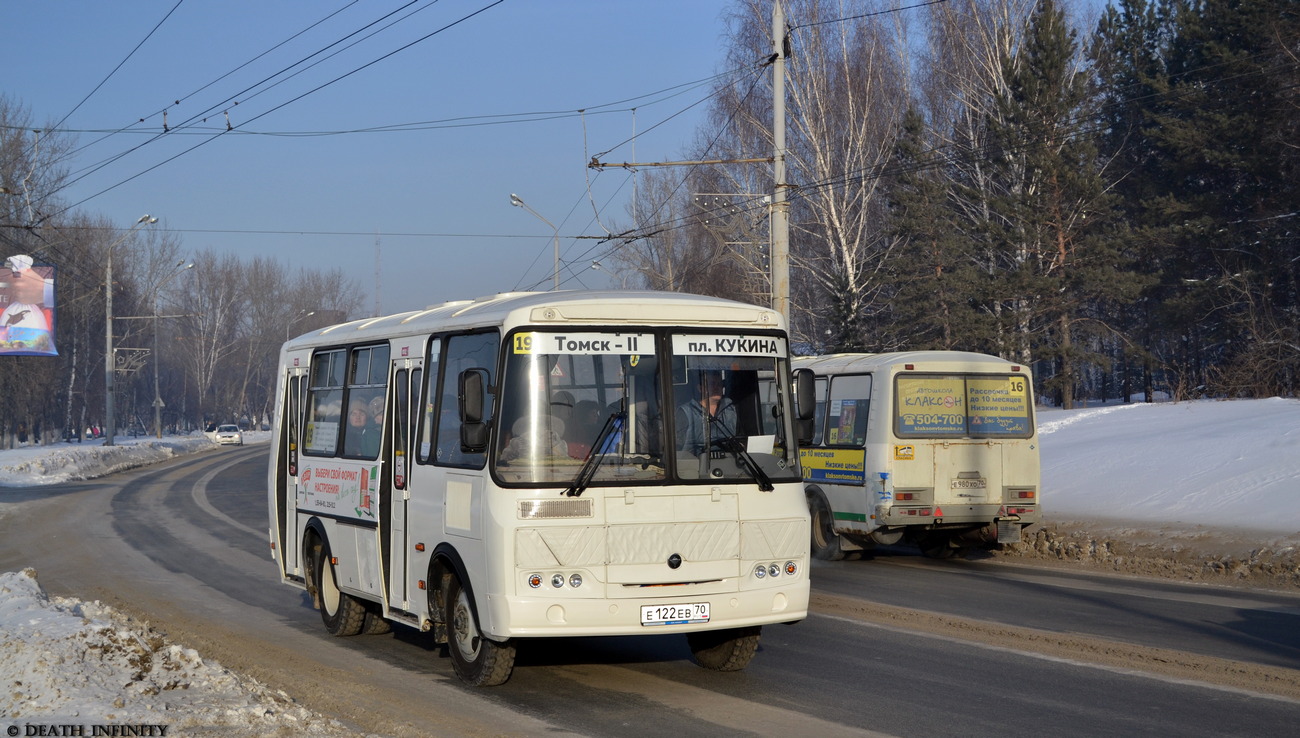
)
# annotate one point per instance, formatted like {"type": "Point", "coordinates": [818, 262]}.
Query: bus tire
{"type": "Point", "coordinates": [730, 649]}
{"type": "Point", "coordinates": [375, 624]}
{"type": "Point", "coordinates": [342, 613]}
{"type": "Point", "coordinates": [477, 660]}
{"type": "Point", "coordinates": [937, 547]}
{"type": "Point", "coordinates": [825, 541]}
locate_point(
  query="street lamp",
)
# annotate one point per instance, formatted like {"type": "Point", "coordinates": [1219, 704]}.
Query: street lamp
{"type": "Point", "coordinates": [301, 314]}
{"type": "Point", "coordinates": [181, 266]}
{"type": "Point", "coordinates": [518, 202]}
{"type": "Point", "coordinates": [110, 421]}
{"type": "Point", "coordinates": [622, 278]}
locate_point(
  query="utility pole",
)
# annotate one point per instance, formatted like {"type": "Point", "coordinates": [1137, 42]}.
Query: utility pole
{"type": "Point", "coordinates": [780, 201]}
{"type": "Point", "coordinates": [378, 251]}
{"type": "Point", "coordinates": [780, 213]}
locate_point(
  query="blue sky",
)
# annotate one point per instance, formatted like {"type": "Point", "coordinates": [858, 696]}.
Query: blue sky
{"type": "Point", "coordinates": [438, 198]}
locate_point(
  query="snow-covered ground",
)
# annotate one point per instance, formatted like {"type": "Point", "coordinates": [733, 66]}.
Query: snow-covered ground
{"type": "Point", "coordinates": [70, 667]}
{"type": "Point", "coordinates": [63, 661]}
{"type": "Point", "coordinates": [1204, 463]}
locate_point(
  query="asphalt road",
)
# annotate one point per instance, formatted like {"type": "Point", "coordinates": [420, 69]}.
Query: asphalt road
{"type": "Point", "coordinates": [896, 645]}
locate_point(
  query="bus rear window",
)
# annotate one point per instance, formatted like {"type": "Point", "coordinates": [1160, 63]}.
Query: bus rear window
{"type": "Point", "coordinates": [961, 406]}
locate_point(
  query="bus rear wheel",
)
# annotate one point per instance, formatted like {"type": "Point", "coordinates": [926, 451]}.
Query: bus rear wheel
{"type": "Point", "coordinates": [725, 650]}
{"type": "Point", "coordinates": [342, 614]}
{"type": "Point", "coordinates": [477, 660]}
{"type": "Point", "coordinates": [939, 547]}
{"type": "Point", "coordinates": [825, 541]}
{"type": "Point", "coordinates": [375, 623]}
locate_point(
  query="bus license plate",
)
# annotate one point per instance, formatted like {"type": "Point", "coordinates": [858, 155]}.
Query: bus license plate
{"type": "Point", "coordinates": [968, 484]}
{"type": "Point", "coordinates": [695, 612]}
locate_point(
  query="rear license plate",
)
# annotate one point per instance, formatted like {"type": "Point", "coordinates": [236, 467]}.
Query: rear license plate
{"type": "Point", "coordinates": [695, 612]}
{"type": "Point", "coordinates": [968, 484]}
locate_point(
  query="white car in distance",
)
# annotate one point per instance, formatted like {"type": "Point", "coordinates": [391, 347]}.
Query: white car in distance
{"type": "Point", "coordinates": [229, 435]}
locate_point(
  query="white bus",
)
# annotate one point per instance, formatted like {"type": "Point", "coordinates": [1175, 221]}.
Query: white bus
{"type": "Point", "coordinates": [532, 465]}
{"type": "Point", "coordinates": [936, 447]}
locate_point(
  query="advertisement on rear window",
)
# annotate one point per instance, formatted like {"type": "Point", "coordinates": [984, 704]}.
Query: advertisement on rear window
{"type": "Point", "coordinates": [932, 406]}
{"type": "Point", "coordinates": [998, 406]}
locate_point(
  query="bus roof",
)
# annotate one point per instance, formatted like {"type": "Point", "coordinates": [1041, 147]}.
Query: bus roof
{"type": "Point", "coordinates": [951, 360]}
{"type": "Point", "coordinates": [607, 307]}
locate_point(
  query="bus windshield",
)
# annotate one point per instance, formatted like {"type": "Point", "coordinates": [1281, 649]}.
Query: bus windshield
{"type": "Point", "coordinates": [597, 399]}
{"type": "Point", "coordinates": [561, 389]}
{"type": "Point", "coordinates": [729, 420]}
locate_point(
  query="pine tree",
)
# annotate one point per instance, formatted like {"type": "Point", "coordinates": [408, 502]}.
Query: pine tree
{"type": "Point", "coordinates": [1055, 226]}
{"type": "Point", "coordinates": [934, 278]}
{"type": "Point", "coordinates": [1202, 116]}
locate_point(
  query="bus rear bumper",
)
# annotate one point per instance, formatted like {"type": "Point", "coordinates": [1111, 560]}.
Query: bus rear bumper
{"type": "Point", "coordinates": [540, 616]}
{"type": "Point", "coordinates": [954, 515]}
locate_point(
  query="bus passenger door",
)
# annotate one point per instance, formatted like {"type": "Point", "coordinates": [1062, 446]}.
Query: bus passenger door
{"type": "Point", "coordinates": [406, 379]}
{"type": "Point", "coordinates": [288, 447]}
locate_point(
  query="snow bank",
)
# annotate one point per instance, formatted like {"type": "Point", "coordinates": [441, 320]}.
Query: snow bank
{"type": "Point", "coordinates": [68, 662]}
{"type": "Point", "coordinates": [64, 462]}
{"type": "Point", "coordinates": [1227, 463]}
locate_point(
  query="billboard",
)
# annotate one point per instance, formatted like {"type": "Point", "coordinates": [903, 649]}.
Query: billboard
{"type": "Point", "coordinates": [26, 308]}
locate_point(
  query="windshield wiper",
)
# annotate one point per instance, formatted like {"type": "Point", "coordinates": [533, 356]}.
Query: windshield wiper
{"type": "Point", "coordinates": [729, 442]}
{"type": "Point", "coordinates": [599, 448]}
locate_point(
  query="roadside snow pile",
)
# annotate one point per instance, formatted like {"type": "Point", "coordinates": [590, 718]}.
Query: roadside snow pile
{"type": "Point", "coordinates": [1195, 553]}
{"type": "Point", "coordinates": [1205, 491]}
{"type": "Point", "coordinates": [1215, 463]}
{"type": "Point", "coordinates": [46, 465]}
{"type": "Point", "coordinates": [72, 662]}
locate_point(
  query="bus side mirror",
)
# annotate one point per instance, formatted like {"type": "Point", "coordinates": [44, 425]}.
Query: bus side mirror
{"type": "Point", "coordinates": [471, 393]}
{"type": "Point", "coordinates": [805, 403]}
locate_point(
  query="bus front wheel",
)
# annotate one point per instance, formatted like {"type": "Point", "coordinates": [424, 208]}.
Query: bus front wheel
{"type": "Point", "coordinates": [342, 614]}
{"type": "Point", "coordinates": [725, 650]}
{"type": "Point", "coordinates": [478, 660]}
{"type": "Point", "coordinates": [825, 541]}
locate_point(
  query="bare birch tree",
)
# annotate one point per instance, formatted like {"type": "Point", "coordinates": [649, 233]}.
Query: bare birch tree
{"type": "Point", "coordinates": [847, 81]}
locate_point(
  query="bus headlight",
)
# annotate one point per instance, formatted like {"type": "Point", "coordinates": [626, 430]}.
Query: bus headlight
{"type": "Point", "coordinates": [575, 580]}
{"type": "Point", "coordinates": [760, 571]}
{"type": "Point", "coordinates": [557, 580]}
{"type": "Point", "coordinates": [773, 570]}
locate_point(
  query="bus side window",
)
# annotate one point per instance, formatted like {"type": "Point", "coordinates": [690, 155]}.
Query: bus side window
{"type": "Point", "coordinates": [848, 410]}
{"type": "Point", "coordinates": [366, 390]}
{"type": "Point", "coordinates": [428, 414]}
{"type": "Point", "coordinates": [324, 403]}
{"type": "Point", "coordinates": [473, 351]}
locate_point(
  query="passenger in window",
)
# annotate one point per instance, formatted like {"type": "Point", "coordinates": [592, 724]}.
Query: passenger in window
{"type": "Point", "coordinates": [562, 405]}
{"type": "Point", "coordinates": [374, 428]}
{"type": "Point", "coordinates": [358, 419]}
{"type": "Point", "coordinates": [582, 428]}
{"type": "Point", "coordinates": [536, 437]}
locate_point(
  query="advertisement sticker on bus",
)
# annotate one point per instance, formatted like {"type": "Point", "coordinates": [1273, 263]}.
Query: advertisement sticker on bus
{"type": "Point", "coordinates": [340, 491]}
{"type": "Point", "coordinates": [932, 405]}
{"type": "Point", "coordinates": [998, 405]}
{"type": "Point", "coordinates": [834, 466]}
